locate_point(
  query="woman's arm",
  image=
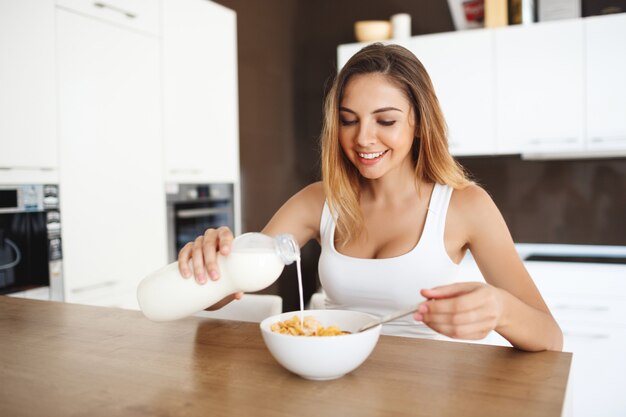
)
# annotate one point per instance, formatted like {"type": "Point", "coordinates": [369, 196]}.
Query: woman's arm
{"type": "Point", "coordinates": [300, 215]}
{"type": "Point", "coordinates": [509, 303]}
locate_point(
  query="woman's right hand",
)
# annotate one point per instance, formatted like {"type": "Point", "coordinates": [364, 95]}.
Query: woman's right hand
{"type": "Point", "coordinates": [203, 254]}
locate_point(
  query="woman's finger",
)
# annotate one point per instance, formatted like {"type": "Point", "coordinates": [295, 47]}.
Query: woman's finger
{"type": "Point", "coordinates": [197, 261]}
{"type": "Point", "coordinates": [209, 252]}
{"type": "Point", "coordinates": [472, 331]}
{"type": "Point", "coordinates": [451, 290]}
{"type": "Point", "coordinates": [225, 239]}
{"type": "Point", "coordinates": [183, 260]}
{"type": "Point", "coordinates": [480, 314]}
{"type": "Point", "coordinates": [465, 302]}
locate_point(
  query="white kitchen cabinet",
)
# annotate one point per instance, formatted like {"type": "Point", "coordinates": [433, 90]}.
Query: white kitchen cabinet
{"type": "Point", "coordinates": [200, 101]}
{"type": "Point", "coordinates": [540, 87]}
{"type": "Point", "coordinates": [598, 373]}
{"type": "Point", "coordinates": [606, 82]}
{"type": "Point", "coordinates": [461, 67]}
{"type": "Point", "coordinates": [588, 301]}
{"type": "Point", "coordinates": [28, 125]}
{"type": "Point", "coordinates": [113, 201]}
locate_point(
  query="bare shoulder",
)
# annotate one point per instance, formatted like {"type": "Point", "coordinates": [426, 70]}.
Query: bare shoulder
{"type": "Point", "coordinates": [310, 200]}
{"type": "Point", "coordinates": [473, 211]}
{"type": "Point", "coordinates": [472, 197]}
{"type": "Point", "coordinates": [313, 193]}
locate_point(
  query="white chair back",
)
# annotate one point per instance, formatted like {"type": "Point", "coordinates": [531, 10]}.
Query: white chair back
{"type": "Point", "coordinates": [251, 307]}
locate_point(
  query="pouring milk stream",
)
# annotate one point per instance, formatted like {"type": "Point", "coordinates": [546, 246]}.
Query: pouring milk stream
{"type": "Point", "coordinates": [254, 263]}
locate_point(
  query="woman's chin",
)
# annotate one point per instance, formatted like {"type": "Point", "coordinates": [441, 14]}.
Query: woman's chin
{"type": "Point", "coordinates": [369, 174]}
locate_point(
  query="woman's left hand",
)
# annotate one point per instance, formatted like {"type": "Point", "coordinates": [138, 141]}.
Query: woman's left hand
{"type": "Point", "coordinates": [465, 310]}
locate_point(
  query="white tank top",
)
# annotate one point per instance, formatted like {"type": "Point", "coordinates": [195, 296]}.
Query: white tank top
{"type": "Point", "coordinates": [380, 286]}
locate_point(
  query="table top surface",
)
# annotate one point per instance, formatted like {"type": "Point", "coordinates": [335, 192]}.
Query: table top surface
{"type": "Point", "coordinates": [59, 359]}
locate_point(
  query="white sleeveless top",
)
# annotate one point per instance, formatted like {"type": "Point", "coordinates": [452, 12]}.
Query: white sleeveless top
{"type": "Point", "coordinates": [380, 286]}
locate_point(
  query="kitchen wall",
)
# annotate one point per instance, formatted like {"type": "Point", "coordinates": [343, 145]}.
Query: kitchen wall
{"type": "Point", "coordinates": [287, 58]}
{"type": "Point", "coordinates": [576, 201]}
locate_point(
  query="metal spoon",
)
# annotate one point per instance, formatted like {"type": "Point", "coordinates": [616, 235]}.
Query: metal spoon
{"type": "Point", "coordinates": [389, 317]}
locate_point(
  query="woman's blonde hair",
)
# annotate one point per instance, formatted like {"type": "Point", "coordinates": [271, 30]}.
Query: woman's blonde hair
{"type": "Point", "coordinates": [433, 162]}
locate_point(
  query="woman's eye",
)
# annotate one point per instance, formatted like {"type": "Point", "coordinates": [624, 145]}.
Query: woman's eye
{"type": "Point", "coordinates": [386, 122]}
{"type": "Point", "coordinates": [345, 122]}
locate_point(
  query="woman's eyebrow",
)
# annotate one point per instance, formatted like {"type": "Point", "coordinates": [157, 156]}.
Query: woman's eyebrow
{"type": "Point", "coordinates": [381, 110]}
{"type": "Point", "coordinates": [384, 109]}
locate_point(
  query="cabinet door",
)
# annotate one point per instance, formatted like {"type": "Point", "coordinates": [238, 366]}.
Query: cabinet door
{"type": "Point", "coordinates": [598, 373]}
{"type": "Point", "coordinates": [606, 82]}
{"type": "Point", "coordinates": [539, 87]}
{"type": "Point", "coordinates": [113, 202]}
{"type": "Point", "coordinates": [27, 85]}
{"type": "Point", "coordinates": [461, 66]}
{"type": "Point", "coordinates": [201, 126]}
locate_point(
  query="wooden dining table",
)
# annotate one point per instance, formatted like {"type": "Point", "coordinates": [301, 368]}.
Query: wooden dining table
{"type": "Point", "coordinates": [60, 359]}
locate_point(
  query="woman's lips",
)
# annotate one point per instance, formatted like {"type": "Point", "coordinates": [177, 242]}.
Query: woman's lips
{"type": "Point", "coordinates": [371, 158]}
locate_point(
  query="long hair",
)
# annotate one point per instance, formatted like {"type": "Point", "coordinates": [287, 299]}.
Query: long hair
{"type": "Point", "coordinates": [433, 162]}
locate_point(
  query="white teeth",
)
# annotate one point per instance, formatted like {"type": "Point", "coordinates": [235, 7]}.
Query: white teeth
{"type": "Point", "coordinates": [371, 155]}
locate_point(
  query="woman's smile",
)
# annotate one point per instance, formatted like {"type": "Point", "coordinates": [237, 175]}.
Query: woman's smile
{"type": "Point", "coordinates": [371, 158]}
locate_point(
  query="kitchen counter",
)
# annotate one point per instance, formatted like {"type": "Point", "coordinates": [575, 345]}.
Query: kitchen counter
{"type": "Point", "coordinates": [63, 359]}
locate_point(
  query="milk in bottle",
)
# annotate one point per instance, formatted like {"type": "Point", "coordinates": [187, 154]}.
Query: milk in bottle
{"type": "Point", "coordinates": [254, 263]}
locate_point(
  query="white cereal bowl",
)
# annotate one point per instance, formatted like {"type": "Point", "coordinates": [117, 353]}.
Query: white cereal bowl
{"type": "Point", "coordinates": [322, 357]}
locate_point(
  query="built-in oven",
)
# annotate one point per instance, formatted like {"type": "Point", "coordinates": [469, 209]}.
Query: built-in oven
{"type": "Point", "coordinates": [193, 208]}
{"type": "Point", "coordinates": [30, 239]}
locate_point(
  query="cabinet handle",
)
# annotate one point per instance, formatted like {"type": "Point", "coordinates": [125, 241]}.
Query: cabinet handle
{"type": "Point", "coordinates": [192, 213]}
{"type": "Point", "coordinates": [608, 140]}
{"type": "Point", "coordinates": [115, 9]}
{"type": "Point", "coordinates": [594, 336]}
{"type": "Point", "coordinates": [105, 284]}
{"type": "Point", "coordinates": [579, 307]}
{"type": "Point", "coordinates": [540, 141]}
{"type": "Point", "coordinates": [185, 171]}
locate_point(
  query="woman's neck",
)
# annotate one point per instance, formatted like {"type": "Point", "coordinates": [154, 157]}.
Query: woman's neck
{"type": "Point", "coordinates": [392, 188]}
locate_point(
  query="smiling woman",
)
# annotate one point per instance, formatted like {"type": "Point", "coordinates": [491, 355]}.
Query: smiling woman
{"type": "Point", "coordinates": [395, 214]}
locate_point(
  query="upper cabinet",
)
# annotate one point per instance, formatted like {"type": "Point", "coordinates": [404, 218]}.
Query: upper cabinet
{"type": "Point", "coordinates": [539, 87]}
{"type": "Point", "coordinates": [28, 125]}
{"type": "Point", "coordinates": [461, 69]}
{"type": "Point", "coordinates": [551, 89]}
{"type": "Point", "coordinates": [606, 82]}
{"type": "Point", "coordinates": [200, 102]}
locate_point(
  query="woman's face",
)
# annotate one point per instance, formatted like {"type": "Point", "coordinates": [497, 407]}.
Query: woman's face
{"type": "Point", "coordinates": [376, 125]}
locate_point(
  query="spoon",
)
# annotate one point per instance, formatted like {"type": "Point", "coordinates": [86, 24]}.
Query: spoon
{"type": "Point", "coordinates": [388, 317]}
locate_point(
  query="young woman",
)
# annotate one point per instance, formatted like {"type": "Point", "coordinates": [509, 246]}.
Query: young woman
{"type": "Point", "coordinates": [394, 215]}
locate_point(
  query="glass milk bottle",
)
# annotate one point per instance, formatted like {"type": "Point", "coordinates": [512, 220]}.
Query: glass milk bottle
{"type": "Point", "coordinates": [254, 263]}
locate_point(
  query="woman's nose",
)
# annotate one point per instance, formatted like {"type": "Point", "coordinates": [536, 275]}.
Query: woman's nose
{"type": "Point", "coordinates": [366, 136]}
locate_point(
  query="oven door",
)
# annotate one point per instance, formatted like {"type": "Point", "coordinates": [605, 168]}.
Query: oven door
{"type": "Point", "coordinates": [188, 220]}
{"type": "Point", "coordinates": [23, 251]}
